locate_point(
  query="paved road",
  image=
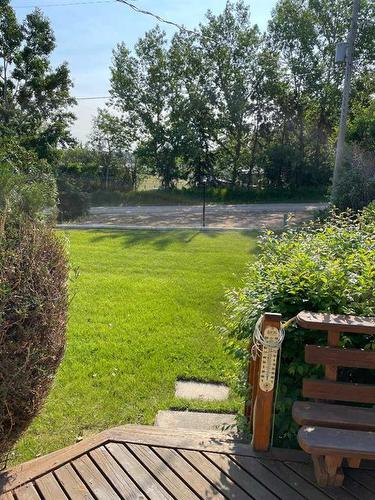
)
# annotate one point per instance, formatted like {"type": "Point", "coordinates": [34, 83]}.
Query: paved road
{"type": "Point", "coordinates": [250, 216]}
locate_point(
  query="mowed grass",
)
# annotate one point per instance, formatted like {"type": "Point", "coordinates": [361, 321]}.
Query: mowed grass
{"type": "Point", "coordinates": [140, 318]}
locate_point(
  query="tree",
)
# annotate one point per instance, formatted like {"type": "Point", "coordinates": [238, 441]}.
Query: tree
{"type": "Point", "coordinates": [192, 109]}
{"type": "Point", "coordinates": [141, 91]}
{"type": "Point", "coordinates": [232, 48]}
{"type": "Point", "coordinates": [110, 139]}
{"type": "Point", "coordinates": [306, 34]}
{"type": "Point", "coordinates": [35, 98]}
{"type": "Point", "coordinates": [226, 102]}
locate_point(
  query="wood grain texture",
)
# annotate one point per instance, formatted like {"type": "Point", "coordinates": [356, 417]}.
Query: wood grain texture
{"type": "Point", "coordinates": [336, 322]}
{"type": "Point", "coordinates": [334, 415]}
{"type": "Point", "coordinates": [262, 405]}
{"type": "Point", "coordinates": [240, 476]}
{"type": "Point", "coordinates": [72, 483]}
{"type": "Point", "coordinates": [128, 466]}
{"type": "Point", "coordinates": [27, 492]}
{"type": "Point", "coordinates": [220, 480]}
{"type": "Point", "coordinates": [307, 473]}
{"type": "Point", "coordinates": [338, 391]}
{"type": "Point", "coordinates": [116, 475]}
{"type": "Point", "coordinates": [351, 358]}
{"type": "Point", "coordinates": [138, 472]}
{"type": "Point", "coordinates": [190, 475]}
{"type": "Point", "coordinates": [324, 441]}
{"type": "Point", "coordinates": [165, 475]}
{"type": "Point", "coordinates": [49, 487]}
{"type": "Point", "coordinates": [93, 479]}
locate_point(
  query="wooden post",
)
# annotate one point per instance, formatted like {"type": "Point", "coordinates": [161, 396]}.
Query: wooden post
{"type": "Point", "coordinates": [262, 401]}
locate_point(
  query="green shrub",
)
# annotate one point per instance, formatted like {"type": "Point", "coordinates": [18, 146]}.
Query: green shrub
{"type": "Point", "coordinates": [356, 187]}
{"type": "Point", "coordinates": [72, 201]}
{"type": "Point", "coordinates": [327, 267]}
{"type": "Point", "coordinates": [33, 291]}
{"type": "Point", "coordinates": [27, 186]}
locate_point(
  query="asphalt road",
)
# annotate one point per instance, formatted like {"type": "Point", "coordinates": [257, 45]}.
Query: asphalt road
{"type": "Point", "coordinates": [249, 216]}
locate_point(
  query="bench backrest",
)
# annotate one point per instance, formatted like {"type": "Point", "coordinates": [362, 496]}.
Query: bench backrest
{"type": "Point", "coordinates": [332, 356]}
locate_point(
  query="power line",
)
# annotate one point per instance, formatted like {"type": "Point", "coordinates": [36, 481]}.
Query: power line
{"type": "Point", "coordinates": [131, 6]}
{"type": "Point", "coordinates": [125, 2]}
{"type": "Point", "coordinates": [62, 4]}
{"type": "Point", "coordinates": [157, 17]}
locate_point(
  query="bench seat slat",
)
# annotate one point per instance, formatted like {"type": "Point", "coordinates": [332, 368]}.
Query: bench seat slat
{"type": "Point", "coordinates": [336, 356]}
{"type": "Point", "coordinates": [338, 391]}
{"type": "Point", "coordinates": [336, 322]}
{"type": "Point", "coordinates": [340, 442]}
{"type": "Point", "coordinates": [334, 415]}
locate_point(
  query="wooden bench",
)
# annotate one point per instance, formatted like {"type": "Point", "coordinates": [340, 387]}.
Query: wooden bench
{"type": "Point", "coordinates": [332, 432]}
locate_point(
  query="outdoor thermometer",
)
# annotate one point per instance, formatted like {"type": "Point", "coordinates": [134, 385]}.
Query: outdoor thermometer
{"type": "Point", "coordinates": [268, 360]}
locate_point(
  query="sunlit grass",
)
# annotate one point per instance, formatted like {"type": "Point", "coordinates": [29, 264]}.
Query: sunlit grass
{"type": "Point", "coordinates": [139, 319]}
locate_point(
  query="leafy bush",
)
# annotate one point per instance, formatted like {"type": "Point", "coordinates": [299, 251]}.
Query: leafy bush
{"type": "Point", "coordinates": [326, 267]}
{"type": "Point", "coordinates": [33, 291]}
{"type": "Point", "coordinates": [27, 186]}
{"type": "Point", "coordinates": [356, 187]}
{"type": "Point", "coordinates": [73, 202]}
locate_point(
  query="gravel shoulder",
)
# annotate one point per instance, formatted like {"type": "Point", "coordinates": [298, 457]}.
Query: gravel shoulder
{"type": "Point", "coordinates": [251, 216]}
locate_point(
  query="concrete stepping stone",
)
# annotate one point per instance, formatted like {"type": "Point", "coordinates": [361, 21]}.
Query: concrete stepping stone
{"type": "Point", "coordinates": [190, 389]}
{"type": "Point", "coordinates": [194, 420]}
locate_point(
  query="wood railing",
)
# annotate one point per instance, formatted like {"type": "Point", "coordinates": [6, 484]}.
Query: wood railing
{"type": "Point", "coordinates": [260, 406]}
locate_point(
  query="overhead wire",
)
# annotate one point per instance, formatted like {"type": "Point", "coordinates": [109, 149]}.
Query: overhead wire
{"type": "Point", "coordinates": [157, 17]}
{"type": "Point", "coordinates": [125, 2]}
{"type": "Point", "coordinates": [64, 4]}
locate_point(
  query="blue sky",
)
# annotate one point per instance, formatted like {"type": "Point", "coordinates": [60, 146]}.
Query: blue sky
{"type": "Point", "coordinates": [86, 35]}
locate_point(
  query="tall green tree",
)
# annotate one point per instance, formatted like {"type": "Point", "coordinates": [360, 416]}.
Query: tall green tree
{"type": "Point", "coordinates": [232, 47]}
{"type": "Point", "coordinates": [111, 140]}
{"type": "Point", "coordinates": [193, 121]}
{"type": "Point", "coordinates": [35, 98]}
{"type": "Point", "coordinates": [141, 91]}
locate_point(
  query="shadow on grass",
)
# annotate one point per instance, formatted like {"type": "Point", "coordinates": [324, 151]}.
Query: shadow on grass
{"type": "Point", "coordinates": [156, 238]}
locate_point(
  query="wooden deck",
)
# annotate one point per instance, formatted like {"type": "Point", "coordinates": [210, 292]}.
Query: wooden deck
{"type": "Point", "coordinates": [146, 462]}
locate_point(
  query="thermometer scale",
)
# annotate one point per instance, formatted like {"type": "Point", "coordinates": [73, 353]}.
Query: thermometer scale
{"type": "Point", "coordinates": [268, 360]}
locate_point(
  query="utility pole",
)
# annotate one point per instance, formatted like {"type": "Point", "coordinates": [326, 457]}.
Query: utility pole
{"type": "Point", "coordinates": [340, 148]}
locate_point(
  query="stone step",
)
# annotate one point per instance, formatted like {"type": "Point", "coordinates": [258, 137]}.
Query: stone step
{"type": "Point", "coordinates": [199, 421]}
{"type": "Point", "coordinates": [191, 389]}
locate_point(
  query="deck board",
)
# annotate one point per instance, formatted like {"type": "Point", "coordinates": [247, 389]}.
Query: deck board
{"type": "Point", "coordinates": [49, 487]}
{"type": "Point", "coordinates": [245, 480]}
{"type": "Point", "coordinates": [72, 483]}
{"type": "Point", "coordinates": [190, 475]}
{"type": "Point", "coordinates": [134, 462]}
{"type": "Point", "coordinates": [136, 470]}
{"type": "Point", "coordinates": [268, 476]}
{"type": "Point", "coordinates": [94, 479]}
{"type": "Point", "coordinates": [116, 474]}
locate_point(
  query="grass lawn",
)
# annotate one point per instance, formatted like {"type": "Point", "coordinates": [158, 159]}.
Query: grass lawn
{"type": "Point", "coordinates": [138, 321]}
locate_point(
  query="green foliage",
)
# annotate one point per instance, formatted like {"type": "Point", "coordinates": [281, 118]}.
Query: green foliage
{"type": "Point", "coordinates": [355, 187]}
{"type": "Point", "coordinates": [72, 201]}
{"type": "Point", "coordinates": [27, 186]}
{"type": "Point", "coordinates": [242, 108]}
{"type": "Point", "coordinates": [321, 267]}
{"type": "Point", "coordinates": [194, 196]}
{"type": "Point", "coordinates": [141, 90]}
{"type": "Point", "coordinates": [34, 97]}
{"type": "Point", "coordinates": [361, 128]}
{"type": "Point", "coordinates": [33, 290]}
{"type": "Point", "coordinates": [110, 145]}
